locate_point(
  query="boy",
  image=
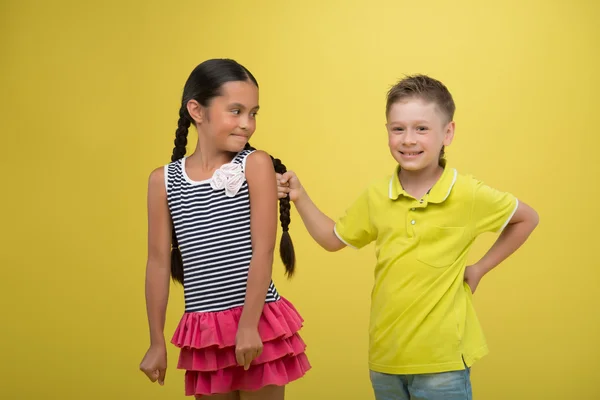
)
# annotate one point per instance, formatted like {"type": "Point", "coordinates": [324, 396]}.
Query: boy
{"type": "Point", "coordinates": [424, 334]}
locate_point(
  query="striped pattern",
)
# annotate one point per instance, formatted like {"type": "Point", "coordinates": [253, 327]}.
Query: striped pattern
{"type": "Point", "coordinates": [213, 232]}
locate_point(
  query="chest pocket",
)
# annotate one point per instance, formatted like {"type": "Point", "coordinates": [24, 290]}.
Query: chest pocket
{"type": "Point", "coordinates": [440, 246]}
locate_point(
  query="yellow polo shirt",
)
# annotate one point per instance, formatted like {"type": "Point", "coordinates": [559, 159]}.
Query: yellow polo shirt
{"type": "Point", "coordinates": [422, 316]}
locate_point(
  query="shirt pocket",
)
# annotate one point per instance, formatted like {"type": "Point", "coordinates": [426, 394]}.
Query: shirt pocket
{"type": "Point", "coordinates": [440, 246]}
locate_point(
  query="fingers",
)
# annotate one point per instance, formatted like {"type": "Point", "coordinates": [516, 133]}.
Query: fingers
{"type": "Point", "coordinates": [281, 181]}
{"type": "Point", "coordinates": [470, 285]}
{"type": "Point", "coordinates": [239, 357]}
{"type": "Point", "coordinates": [161, 376]}
{"type": "Point", "coordinates": [288, 176]}
{"type": "Point", "coordinates": [283, 188]}
{"type": "Point", "coordinates": [245, 357]}
{"type": "Point", "coordinates": [152, 374]}
{"type": "Point", "coordinates": [258, 352]}
{"type": "Point", "coordinates": [251, 356]}
{"type": "Point", "coordinates": [247, 360]}
{"type": "Point", "coordinates": [283, 192]}
{"type": "Point", "coordinates": [154, 365]}
{"type": "Point", "coordinates": [283, 178]}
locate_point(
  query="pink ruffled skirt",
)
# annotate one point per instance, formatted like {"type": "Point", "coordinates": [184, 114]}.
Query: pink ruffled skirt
{"type": "Point", "coordinates": [207, 343]}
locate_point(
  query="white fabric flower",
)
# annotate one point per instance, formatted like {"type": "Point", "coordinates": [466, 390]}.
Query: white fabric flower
{"type": "Point", "coordinates": [229, 177]}
{"type": "Point", "coordinates": [231, 169]}
{"type": "Point", "coordinates": [218, 180]}
{"type": "Point", "coordinates": [234, 183]}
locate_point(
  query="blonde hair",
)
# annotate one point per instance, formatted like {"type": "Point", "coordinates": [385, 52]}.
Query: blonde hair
{"type": "Point", "coordinates": [427, 89]}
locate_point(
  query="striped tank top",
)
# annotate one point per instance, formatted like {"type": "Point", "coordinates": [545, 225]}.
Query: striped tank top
{"type": "Point", "coordinates": [212, 225]}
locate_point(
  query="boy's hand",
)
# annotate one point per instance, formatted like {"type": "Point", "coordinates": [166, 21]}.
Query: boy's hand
{"type": "Point", "coordinates": [319, 225]}
{"type": "Point", "coordinates": [473, 275]}
{"type": "Point", "coordinates": [288, 184]}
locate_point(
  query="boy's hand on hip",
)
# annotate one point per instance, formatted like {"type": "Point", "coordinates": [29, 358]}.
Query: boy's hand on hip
{"type": "Point", "coordinates": [473, 275]}
{"type": "Point", "coordinates": [288, 184]}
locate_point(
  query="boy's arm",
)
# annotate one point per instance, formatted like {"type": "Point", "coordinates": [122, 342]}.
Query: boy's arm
{"type": "Point", "coordinates": [496, 211]}
{"type": "Point", "coordinates": [520, 226]}
{"type": "Point", "coordinates": [319, 225]}
{"type": "Point", "coordinates": [355, 228]}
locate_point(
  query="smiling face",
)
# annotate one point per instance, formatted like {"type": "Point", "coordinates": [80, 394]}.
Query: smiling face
{"type": "Point", "coordinates": [228, 120]}
{"type": "Point", "coordinates": [417, 131]}
{"type": "Point", "coordinates": [231, 117]}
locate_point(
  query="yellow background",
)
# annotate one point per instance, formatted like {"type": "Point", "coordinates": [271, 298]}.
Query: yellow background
{"type": "Point", "coordinates": [88, 107]}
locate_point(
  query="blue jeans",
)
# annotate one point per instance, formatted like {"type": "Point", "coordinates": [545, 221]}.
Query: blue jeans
{"type": "Point", "coordinates": [454, 385]}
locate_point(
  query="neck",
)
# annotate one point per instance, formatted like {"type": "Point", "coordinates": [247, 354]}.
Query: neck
{"type": "Point", "coordinates": [206, 157]}
{"type": "Point", "coordinates": [418, 183]}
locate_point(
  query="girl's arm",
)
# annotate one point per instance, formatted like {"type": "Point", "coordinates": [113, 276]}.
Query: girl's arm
{"type": "Point", "coordinates": [263, 227]}
{"type": "Point", "coordinates": [158, 271]}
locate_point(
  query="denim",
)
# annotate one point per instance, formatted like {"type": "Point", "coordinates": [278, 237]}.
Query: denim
{"type": "Point", "coordinates": [454, 385]}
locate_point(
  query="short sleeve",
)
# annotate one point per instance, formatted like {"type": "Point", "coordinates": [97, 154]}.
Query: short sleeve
{"type": "Point", "coordinates": [355, 227]}
{"type": "Point", "coordinates": [492, 209]}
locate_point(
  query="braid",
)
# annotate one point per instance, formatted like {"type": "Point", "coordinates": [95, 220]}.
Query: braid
{"type": "Point", "coordinates": [284, 204]}
{"type": "Point", "coordinates": [178, 152]}
{"type": "Point", "coordinates": [286, 246]}
{"type": "Point", "coordinates": [181, 135]}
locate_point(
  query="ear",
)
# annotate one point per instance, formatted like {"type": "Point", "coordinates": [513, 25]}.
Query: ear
{"type": "Point", "coordinates": [196, 111]}
{"type": "Point", "coordinates": [449, 133]}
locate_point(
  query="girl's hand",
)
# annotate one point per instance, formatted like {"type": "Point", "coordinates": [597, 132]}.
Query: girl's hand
{"type": "Point", "coordinates": [154, 364]}
{"type": "Point", "coordinates": [248, 346]}
{"type": "Point", "coordinates": [473, 276]}
{"type": "Point", "coordinates": [288, 184]}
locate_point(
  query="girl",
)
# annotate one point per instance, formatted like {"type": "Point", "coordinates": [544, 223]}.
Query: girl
{"type": "Point", "coordinates": [215, 212]}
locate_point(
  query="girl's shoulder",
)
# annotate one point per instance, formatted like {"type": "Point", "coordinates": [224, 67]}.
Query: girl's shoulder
{"type": "Point", "coordinates": [241, 157]}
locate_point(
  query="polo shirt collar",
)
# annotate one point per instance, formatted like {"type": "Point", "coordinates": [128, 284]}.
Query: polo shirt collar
{"type": "Point", "coordinates": [437, 194]}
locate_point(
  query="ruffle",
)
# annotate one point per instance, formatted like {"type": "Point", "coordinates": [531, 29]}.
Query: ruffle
{"type": "Point", "coordinates": [214, 358]}
{"type": "Point", "coordinates": [279, 372]}
{"type": "Point", "coordinates": [279, 320]}
{"type": "Point", "coordinates": [207, 343]}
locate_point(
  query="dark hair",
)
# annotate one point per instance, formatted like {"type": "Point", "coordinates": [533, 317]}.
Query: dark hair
{"type": "Point", "coordinates": [425, 88]}
{"type": "Point", "coordinates": [204, 84]}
